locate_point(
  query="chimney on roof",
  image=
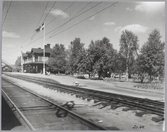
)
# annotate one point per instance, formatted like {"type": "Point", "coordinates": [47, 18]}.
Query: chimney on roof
{"type": "Point", "coordinates": [47, 46]}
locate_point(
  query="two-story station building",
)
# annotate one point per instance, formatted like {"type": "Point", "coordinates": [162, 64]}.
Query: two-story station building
{"type": "Point", "coordinates": [32, 61]}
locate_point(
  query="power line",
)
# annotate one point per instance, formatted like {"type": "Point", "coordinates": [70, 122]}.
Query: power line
{"type": "Point", "coordinates": [4, 5]}
{"type": "Point", "coordinates": [78, 22]}
{"type": "Point", "coordinates": [74, 15]}
{"type": "Point", "coordinates": [49, 11]}
{"type": "Point", "coordinates": [7, 13]}
{"type": "Point", "coordinates": [82, 9]}
{"type": "Point", "coordinates": [77, 16]}
{"type": "Point", "coordinates": [46, 15]}
{"type": "Point", "coordinates": [60, 14]}
{"type": "Point", "coordinates": [39, 21]}
{"type": "Point", "coordinates": [43, 13]}
{"type": "Point", "coordinates": [71, 18]}
{"type": "Point", "coordinates": [85, 19]}
{"type": "Point", "coordinates": [50, 21]}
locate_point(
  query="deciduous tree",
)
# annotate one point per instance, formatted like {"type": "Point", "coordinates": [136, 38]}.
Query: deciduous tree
{"type": "Point", "coordinates": [128, 49]}
{"type": "Point", "coordinates": [18, 61]}
{"type": "Point", "coordinates": [152, 56]}
{"type": "Point", "coordinates": [57, 61]}
{"type": "Point", "coordinates": [101, 56]}
{"type": "Point", "coordinates": [76, 53]}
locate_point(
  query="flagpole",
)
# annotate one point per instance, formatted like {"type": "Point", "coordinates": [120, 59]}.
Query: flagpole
{"type": "Point", "coordinates": [21, 60]}
{"type": "Point", "coordinates": [44, 53]}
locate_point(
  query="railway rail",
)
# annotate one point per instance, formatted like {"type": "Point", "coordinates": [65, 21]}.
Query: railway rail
{"type": "Point", "coordinates": [146, 106]}
{"type": "Point", "coordinates": [40, 113]}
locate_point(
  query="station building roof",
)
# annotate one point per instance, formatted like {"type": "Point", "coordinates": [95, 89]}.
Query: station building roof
{"type": "Point", "coordinates": [37, 51]}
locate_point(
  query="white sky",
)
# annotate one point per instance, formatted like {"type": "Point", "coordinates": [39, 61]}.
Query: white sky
{"type": "Point", "coordinates": [23, 17]}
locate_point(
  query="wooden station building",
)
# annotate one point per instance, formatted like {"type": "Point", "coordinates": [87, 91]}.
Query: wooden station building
{"type": "Point", "coordinates": [32, 61]}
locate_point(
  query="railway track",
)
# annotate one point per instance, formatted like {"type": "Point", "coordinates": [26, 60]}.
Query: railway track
{"type": "Point", "coordinates": [39, 113]}
{"type": "Point", "coordinates": [146, 106]}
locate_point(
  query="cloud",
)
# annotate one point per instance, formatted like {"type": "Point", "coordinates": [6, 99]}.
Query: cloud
{"type": "Point", "coordinates": [92, 18]}
{"type": "Point", "coordinates": [10, 34]}
{"type": "Point", "coordinates": [117, 28]}
{"type": "Point", "coordinates": [141, 8]}
{"type": "Point", "coordinates": [136, 28]}
{"type": "Point", "coordinates": [150, 6]}
{"type": "Point", "coordinates": [109, 23]}
{"type": "Point", "coordinates": [59, 13]}
{"type": "Point", "coordinates": [105, 29]}
{"type": "Point", "coordinates": [129, 9]}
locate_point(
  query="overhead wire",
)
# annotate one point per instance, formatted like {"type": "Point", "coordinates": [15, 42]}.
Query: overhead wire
{"type": "Point", "coordinates": [49, 11]}
{"type": "Point", "coordinates": [31, 38]}
{"type": "Point", "coordinates": [77, 16]}
{"type": "Point", "coordinates": [85, 19]}
{"type": "Point", "coordinates": [67, 21]}
{"type": "Point", "coordinates": [36, 26]}
{"type": "Point", "coordinates": [4, 5]}
{"type": "Point", "coordinates": [73, 16]}
{"type": "Point", "coordinates": [49, 22]}
{"type": "Point", "coordinates": [7, 13]}
{"type": "Point", "coordinates": [61, 26]}
{"type": "Point", "coordinates": [39, 21]}
{"type": "Point", "coordinates": [60, 13]}
{"type": "Point", "coordinates": [78, 22]}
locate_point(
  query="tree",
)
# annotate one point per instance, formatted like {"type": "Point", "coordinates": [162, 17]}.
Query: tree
{"type": "Point", "coordinates": [76, 53]}
{"type": "Point", "coordinates": [86, 64]}
{"type": "Point", "coordinates": [57, 61]}
{"type": "Point", "coordinates": [18, 61]}
{"type": "Point", "coordinates": [119, 64]}
{"type": "Point", "coordinates": [18, 64]}
{"type": "Point", "coordinates": [101, 56]}
{"type": "Point", "coordinates": [152, 56]}
{"type": "Point", "coordinates": [140, 68]}
{"type": "Point", "coordinates": [128, 49]}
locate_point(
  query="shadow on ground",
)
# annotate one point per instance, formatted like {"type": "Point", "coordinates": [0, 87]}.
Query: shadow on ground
{"type": "Point", "coordinates": [9, 120]}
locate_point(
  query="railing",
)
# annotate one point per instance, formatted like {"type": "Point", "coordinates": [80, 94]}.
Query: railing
{"type": "Point", "coordinates": [28, 60]}
{"type": "Point", "coordinates": [39, 59]}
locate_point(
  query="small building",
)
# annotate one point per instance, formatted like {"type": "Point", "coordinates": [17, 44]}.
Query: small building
{"type": "Point", "coordinates": [32, 61]}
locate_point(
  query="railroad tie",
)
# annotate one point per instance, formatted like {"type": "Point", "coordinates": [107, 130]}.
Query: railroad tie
{"type": "Point", "coordinates": [157, 119]}
{"type": "Point", "coordinates": [140, 114]}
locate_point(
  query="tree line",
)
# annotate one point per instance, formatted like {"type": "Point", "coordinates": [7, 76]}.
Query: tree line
{"type": "Point", "coordinates": [101, 58]}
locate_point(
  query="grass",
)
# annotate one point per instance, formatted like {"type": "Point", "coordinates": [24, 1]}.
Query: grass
{"type": "Point", "coordinates": [138, 84]}
{"type": "Point", "coordinates": [150, 86]}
